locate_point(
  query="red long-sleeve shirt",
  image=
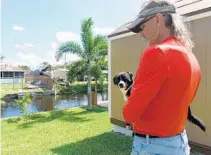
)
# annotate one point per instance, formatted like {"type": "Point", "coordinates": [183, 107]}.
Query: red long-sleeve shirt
{"type": "Point", "coordinates": [166, 82]}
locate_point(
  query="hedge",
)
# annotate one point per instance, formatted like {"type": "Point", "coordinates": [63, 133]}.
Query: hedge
{"type": "Point", "coordinates": [81, 88]}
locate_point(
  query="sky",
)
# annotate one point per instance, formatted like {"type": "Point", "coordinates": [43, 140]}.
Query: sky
{"type": "Point", "coordinates": [32, 30]}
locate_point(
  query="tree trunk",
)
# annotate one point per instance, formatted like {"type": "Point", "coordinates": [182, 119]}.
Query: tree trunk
{"type": "Point", "coordinates": [89, 86]}
{"type": "Point", "coordinates": [95, 86]}
{"type": "Point", "coordinates": [95, 91]}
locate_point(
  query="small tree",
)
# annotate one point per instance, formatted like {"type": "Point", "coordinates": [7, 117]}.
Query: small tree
{"type": "Point", "coordinates": [45, 63]}
{"type": "Point", "coordinates": [2, 58]}
{"type": "Point", "coordinates": [92, 46]}
{"type": "Point", "coordinates": [25, 67]}
{"type": "Point", "coordinates": [22, 104]}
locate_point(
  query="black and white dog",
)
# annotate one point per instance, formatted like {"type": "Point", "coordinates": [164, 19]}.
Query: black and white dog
{"type": "Point", "coordinates": [124, 80]}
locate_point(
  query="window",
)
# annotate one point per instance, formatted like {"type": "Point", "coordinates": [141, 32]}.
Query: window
{"type": "Point", "coordinates": [8, 74]}
{"type": "Point", "coordinates": [19, 74]}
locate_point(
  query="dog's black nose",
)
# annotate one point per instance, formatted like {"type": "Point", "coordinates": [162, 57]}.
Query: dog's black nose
{"type": "Point", "coordinates": [121, 85]}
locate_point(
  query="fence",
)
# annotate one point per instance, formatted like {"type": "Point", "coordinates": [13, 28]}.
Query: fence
{"type": "Point", "coordinates": [12, 82]}
{"type": "Point", "coordinates": [38, 81]}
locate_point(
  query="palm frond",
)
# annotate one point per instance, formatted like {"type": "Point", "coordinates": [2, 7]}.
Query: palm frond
{"type": "Point", "coordinates": [69, 47]}
{"type": "Point", "coordinates": [100, 46]}
{"type": "Point", "coordinates": [87, 34]}
{"type": "Point", "coordinates": [75, 69]}
{"type": "Point", "coordinates": [96, 71]}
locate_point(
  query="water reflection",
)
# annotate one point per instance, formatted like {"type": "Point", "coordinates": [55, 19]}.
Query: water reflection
{"type": "Point", "coordinates": [46, 103]}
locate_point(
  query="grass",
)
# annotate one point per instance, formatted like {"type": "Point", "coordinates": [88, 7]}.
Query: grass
{"type": "Point", "coordinates": [68, 132]}
{"type": "Point", "coordinates": [10, 86]}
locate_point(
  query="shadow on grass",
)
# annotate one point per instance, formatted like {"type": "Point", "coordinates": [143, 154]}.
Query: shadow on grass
{"type": "Point", "coordinates": [64, 115]}
{"type": "Point", "coordinates": [95, 109]}
{"type": "Point", "coordinates": [106, 144]}
{"type": "Point", "coordinates": [13, 120]}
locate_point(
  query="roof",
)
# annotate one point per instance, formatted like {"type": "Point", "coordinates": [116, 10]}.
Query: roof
{"type": "Point", "coordinates": [61, 74]}
{"type": "Point", "coordinates": [10, 68]}
{"type": "Point", "coordinates": [192, 7]}
{"type": "Point", "coordinates": [184, 7]}
{"type": "Point", "coordinates": [120, 30]}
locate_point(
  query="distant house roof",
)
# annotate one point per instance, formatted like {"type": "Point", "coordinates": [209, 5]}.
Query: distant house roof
{"type": "Point", "coordinates": [27, 72]}
{"type": "Point", "coordinates": [61, 74]}
{"type": "Point", "coordinates": [184, 7]}
{"type": "Point", "coordinates": [11, 68]}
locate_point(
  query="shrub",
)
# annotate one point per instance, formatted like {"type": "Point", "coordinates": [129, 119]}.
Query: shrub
{"type": "Point", "coordinates": [81, 88]}
{"type": "Point", "coordinates": [22, 104]}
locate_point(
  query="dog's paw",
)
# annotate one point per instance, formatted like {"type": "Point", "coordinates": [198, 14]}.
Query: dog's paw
{"type": "Point", "coordinates": [128, 127]}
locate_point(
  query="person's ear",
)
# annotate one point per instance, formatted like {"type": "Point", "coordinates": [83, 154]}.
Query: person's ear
{"type": "Point", "coordinates": [158, 17]}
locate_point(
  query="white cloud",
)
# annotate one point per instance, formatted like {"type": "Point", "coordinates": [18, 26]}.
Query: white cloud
{"type": "Point", "coordinates": [17, 46]}
{"type": "Point", "coordinates": [72, 57]}
{"type": "Point", "coordinates": [29, 45]}
{"type": "Point", "coordinates": [11, 62]}
{"type": "Point", "coordinates": [54, 46]}
{"type": "Point", "coordinates": [39, 46]}
{"type": "Point", "coordinates": [69, 58]}
{"type": "Point", "coordinates": [26, 46]}
{"type": "Point", "coordinates": [18, 28]}
{"type": "Point", "coordinates": [67, 36]}
{"type": "Point", "coordinates": [30, 58]}
{"type": "Point", "coordinates": [103, 30]}
{"type": "Point", "coordinates": [34, 60]}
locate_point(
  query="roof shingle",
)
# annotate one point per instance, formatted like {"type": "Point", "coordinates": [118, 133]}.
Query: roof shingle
{"type": "Point", "coordinates": [10, 68]}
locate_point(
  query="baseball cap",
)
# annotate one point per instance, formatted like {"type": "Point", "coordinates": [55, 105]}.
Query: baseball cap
{"type": "Point", "coordinates": [150, 10]}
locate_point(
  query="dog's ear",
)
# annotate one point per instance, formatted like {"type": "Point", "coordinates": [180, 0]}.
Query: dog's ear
{"type": "Point", "coordinates": [130, 73]}
{"type": "Point", "coordinates": [115, 80]}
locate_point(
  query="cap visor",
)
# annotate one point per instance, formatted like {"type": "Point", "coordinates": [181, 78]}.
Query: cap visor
{"type": "Point", "coordinates": [135, 25]}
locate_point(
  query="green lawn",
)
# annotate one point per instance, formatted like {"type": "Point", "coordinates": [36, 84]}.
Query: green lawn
{"type": "Point", "coordinates": [10, 86]}
{"type": "Point", "coordinates": [67, 132]}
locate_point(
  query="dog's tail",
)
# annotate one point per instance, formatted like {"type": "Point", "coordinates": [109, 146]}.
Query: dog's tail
{"type": "Point", "coordinates": [195, 120]}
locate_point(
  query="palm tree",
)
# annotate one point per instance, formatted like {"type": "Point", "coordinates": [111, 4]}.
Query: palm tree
{"type": "Point", "coordinates": [2, 58]}
{"type": "Point", "coordinates": [75, 69]}
{"type": "Point", "coordinates": [88, 52]}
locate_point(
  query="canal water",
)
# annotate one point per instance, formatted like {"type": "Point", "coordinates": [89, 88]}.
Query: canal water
{"type": "Point", "coordinates": [9, 108]}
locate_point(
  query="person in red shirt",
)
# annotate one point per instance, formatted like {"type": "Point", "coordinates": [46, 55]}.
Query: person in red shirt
{"type": "Point", "coordinates": [165, 84]}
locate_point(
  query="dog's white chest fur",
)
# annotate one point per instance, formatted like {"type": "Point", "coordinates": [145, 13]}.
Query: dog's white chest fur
{"type": "Point", "coordinates": [124, 93]}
